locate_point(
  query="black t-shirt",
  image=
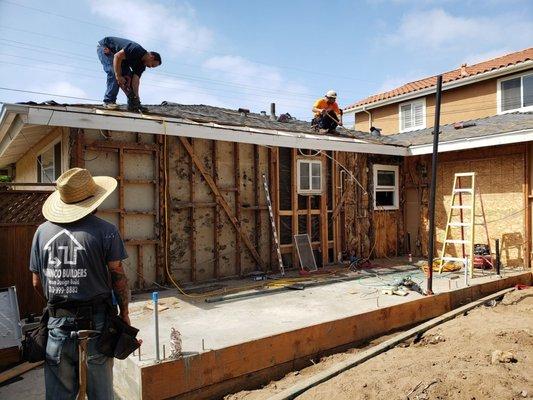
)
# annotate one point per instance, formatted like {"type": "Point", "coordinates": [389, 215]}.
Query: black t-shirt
{"type": "Point", "coordinates": [71, 259]}
{"type": "Point", "coordinates": [134, 52]}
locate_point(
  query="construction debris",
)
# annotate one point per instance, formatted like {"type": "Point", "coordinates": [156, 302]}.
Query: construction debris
{"type": "Point", "coordinates": [175, 344]}
{"type": "Point", "coordinates": [499, 356]}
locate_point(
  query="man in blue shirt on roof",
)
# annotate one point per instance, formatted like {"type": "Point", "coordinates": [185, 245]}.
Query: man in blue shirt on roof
{"type": "Point", "coordinates": [124, 61]}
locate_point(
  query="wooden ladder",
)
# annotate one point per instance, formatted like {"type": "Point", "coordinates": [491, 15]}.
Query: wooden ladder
{"type": "Point", "coordinates": [467, 244]}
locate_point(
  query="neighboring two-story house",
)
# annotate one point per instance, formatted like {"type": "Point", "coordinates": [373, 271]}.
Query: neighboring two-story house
{"type": "Point", "coordinates": [495, 97]}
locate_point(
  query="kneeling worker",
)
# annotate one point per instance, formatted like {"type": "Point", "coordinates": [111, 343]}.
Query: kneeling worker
{"type": "Point", "coordinates": [124, 62]}
{"type": "Point", "coordinates": [327, 113]}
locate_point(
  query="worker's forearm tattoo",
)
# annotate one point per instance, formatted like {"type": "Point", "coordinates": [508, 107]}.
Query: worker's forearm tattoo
{"type": "Point", "coordinates": [121, 289]}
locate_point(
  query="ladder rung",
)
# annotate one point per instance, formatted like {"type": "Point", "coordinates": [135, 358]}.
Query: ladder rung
{"type": "Point", "coordinates": [463, 190]}
{"type": "Point", "coordinates": [453, 259]}
{"type": "Point", "coordinates": [466, 207]}
{"type": "Point", "coordinates": [457, 241]}
{"type": "Point", "coordinates": [465, 174]}
{"type": "Point", "coordinates": [459, 224]}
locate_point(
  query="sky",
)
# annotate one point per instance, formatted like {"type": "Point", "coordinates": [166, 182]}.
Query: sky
{"type": "Point", "coordinates": [248, 54]}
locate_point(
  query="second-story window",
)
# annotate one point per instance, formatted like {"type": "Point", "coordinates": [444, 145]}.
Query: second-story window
{"type": "Point", "coordinates": [516, 93]}
{"type": "Point", "coordinates": [412, 115]}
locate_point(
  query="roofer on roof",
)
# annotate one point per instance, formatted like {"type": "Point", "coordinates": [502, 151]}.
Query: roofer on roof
{"type": "Point", "coordinates": [124, 62]}
{"type": "Point", "coordinates": [327, 113]}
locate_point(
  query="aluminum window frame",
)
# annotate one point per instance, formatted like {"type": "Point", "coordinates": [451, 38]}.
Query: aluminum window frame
{"type": "Point", "coordinates": [311, 190]}
{"type": "Point", "coordinates": [382, 188]}
{"type": "Point", "coordinates": [499, 93]}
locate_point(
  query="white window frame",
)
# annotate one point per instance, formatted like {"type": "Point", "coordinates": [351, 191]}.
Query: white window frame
{"type": "Point", "coordinates": [49, 146]}
{"type": "Point", "coordinates": [499, 93]}
{"type": "Point", "coordinates": [412, 103]}
{"type": "Point", "coordinates": [395, 188]}
{"type": "Point", "coordinates": [309, 191]}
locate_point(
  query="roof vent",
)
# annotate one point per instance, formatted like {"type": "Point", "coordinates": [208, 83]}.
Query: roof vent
{"type": "Point", "coordinates": [273, 111]}
{"type": "Point", "coordinates": [243, 111]}
{"type": "Point", "coordinates": [376, 132]}
{"type": "Point", "coordinates": [463, 70]}
{"type": "Point", "coordinates": [263, 113]}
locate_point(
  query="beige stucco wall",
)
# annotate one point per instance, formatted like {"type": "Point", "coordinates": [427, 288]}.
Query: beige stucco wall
{"type": "Point", "coordinates": [26, 166]}
{"type": "Point", "coordinates": [477, 100]}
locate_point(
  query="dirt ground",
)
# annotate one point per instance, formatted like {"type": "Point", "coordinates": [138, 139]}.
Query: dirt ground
{"type": "Point", "coordinates": [460, 359]}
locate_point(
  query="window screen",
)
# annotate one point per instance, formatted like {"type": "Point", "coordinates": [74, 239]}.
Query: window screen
{"type": "Point", "coordinates": [304, 176]}
{"type": "Point", "coordinates": [527, 90]}
{"type": "Point", "coordinates": [510, 92]}
{"type": "Point", "coordinates": [386, 178]}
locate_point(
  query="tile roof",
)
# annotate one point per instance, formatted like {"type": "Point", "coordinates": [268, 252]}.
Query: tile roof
{"type": "Point", "coordinates": [450, 76]}
{"type": "Point", "coordinates": [484, 127]}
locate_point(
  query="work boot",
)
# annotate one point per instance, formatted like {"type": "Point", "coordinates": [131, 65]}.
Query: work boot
{"type": "Point", "coordinates": [134, 104]}
{"type": "Point", "coordinates": [110, 105]}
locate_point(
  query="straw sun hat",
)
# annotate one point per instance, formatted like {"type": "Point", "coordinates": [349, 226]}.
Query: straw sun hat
{"type": "Point", "coordinates": [77, 194]}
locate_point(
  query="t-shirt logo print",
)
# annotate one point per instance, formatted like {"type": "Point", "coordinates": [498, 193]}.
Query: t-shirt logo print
{"type": "Point", "coordinates": [69, 258]}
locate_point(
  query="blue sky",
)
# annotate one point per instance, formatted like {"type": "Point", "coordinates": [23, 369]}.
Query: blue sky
{"type": "Point", "coordinates": [251, 53]}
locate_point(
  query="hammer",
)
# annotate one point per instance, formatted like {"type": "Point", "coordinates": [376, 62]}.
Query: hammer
{"type": "Point", "coordinates": [82, 337]}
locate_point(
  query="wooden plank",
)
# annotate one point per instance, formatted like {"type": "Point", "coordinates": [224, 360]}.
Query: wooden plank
{"type": "Point", "coordinates": [257, 186]}
{"type": "Point", "coordinates": [220, 199]}
{"type": "Point", "coordinates": [140, 267]}
{"type": "Point", "coordinates": [237, 183]}
{"type": "Point", "coordinates": [121, 191]}
{"type": "Point", "coordinates": [160, 228]}
{"type": "Point", "coordinates": [527, 219]}
{"type": "Point", "coordinates": [324, 212]}
{"type": "Point", "coordinates": [192, 234]}
{"type": "Point", "coordinates": [294, 206]}
{"type": "Point", "coordinates": [115, 144]}
{"type": "Point", "coordinates": [18, 370]}
{"type": "Point", "coordinates": [216, 215]}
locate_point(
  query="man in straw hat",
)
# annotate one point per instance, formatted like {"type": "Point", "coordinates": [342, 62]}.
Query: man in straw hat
{"type": "Point", "coordinates": [76, 264]}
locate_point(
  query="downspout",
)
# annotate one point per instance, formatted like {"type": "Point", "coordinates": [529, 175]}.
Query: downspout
{"type": "Point", "coordinates": [369, 118]}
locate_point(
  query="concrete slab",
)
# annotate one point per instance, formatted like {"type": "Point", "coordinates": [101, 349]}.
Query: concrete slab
{"type": "Point", "coordinates": [209, 329]}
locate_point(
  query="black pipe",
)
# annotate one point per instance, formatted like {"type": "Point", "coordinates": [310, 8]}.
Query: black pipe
{"type": "Point", "coordinates": [434, 159]}
{"type": "Point", "coordinates": [497, 256]}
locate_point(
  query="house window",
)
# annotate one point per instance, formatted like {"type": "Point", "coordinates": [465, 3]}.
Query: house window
{"type": "Point", "coordinates": [413, 115]}
{"type": "Point", "coordinates": [49, 164]}
{"type": "Point", "coordinates": [385, 187]}
{"type": "Point", "coordinates": [309, 177]}
{"type": "Point", "coordinates": [515, 94]}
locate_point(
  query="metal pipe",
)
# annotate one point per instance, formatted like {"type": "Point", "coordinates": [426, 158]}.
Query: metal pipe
{"type": "Point", "coordinates": [273, 111]}
{"type": "Point", "coordinates": [155, 298]}
{"type": "Point", "coordinates": [497, 256]}
{"type": "Point", "coordinates": [434, 160]}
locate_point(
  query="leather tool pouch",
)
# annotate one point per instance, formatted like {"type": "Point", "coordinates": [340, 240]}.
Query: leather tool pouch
{"type": "Point", "coordinates": [34, 344]}
{"type": "Point", "coordinates": [117, 339]}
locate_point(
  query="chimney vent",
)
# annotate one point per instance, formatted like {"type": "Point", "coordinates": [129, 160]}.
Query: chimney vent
{"type": "Point", "coordinates": [463, 70]}
{"type": "Point", "coordinates": [273, 111]}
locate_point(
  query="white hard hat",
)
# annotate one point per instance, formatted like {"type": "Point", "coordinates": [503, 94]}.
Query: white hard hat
{"type": "Point", "coordinates": [332, 94]}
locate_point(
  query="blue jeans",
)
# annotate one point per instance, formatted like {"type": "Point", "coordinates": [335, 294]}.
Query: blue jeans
{"type": "Point", "coordinates": [61, 366]}
{"type": "Point", "coordinates": [112, 84]}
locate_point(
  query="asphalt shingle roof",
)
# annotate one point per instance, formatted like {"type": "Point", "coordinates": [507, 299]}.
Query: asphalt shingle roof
{"type": "Point", "coordinates": [494, 125]}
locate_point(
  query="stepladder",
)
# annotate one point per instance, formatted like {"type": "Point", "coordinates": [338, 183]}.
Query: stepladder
{"type": "Point", "coordinates": [273, 225]}
{"type": "Point", "coordinates": [461, 223]}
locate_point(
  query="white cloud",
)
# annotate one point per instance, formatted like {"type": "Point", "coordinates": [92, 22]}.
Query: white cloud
{"type": "Point", "coordinates": [156, 25]}
{"type": "Point", "coordinates": [260, 85]}
{"type": "Point", "coordinates": [436, 31]}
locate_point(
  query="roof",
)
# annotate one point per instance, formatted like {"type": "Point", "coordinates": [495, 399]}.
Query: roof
{"type": "Point", "coordinates": [468, 71]}
{"type": "Point", "coordinates": [202, 113]}
{"type": "Point", "coordinates": [482, 127]}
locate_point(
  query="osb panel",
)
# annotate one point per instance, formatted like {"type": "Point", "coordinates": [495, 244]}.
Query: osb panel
{"type": "Point", "coordinates": [500, 192]}
{"type": "Point", "coordinates": [202, 192]}
{"type": "Point", "coordinates": [139, 226]}
{"type": "Point", "coordinates": [203, 225]}
{"type": "Point", "coordinates": [247, 174]}
{"type": "Point", "coordinates": [139, 197]}
{"type": "Point", "coordinates": [386, 233]}
{"type": "Point", "coordinates": [139, 165]}
{"type": "Point", "coordinates": [102, 162]}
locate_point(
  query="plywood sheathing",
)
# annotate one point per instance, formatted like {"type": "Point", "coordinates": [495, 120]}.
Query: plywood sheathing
{"type": "Point", "coordinates": [134, 160]}
{"type": "Point", "coordinates": [224, 178]}
{"type": "Point", "coordinates": [501, 178]}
